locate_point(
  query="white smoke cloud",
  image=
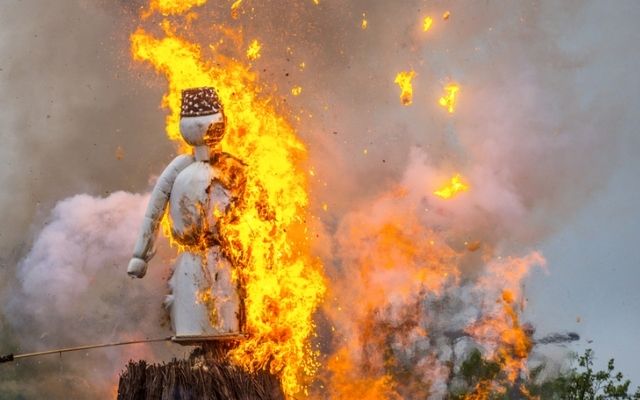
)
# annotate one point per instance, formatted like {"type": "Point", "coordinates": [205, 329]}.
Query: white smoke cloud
{"type": "Point", "coordinates": [72, 289]}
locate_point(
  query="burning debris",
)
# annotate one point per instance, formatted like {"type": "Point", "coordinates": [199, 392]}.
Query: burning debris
{"type": "Point", "coordinates": [427, 23]}
{"type": "Point", "coordinates": [403, 79]}
{"type": "Point", "coordinates": [253, 52]}
{"type": "Point", "coordinates": [450, 97]}
{"type": "Point", "coordinates": [455, 186]}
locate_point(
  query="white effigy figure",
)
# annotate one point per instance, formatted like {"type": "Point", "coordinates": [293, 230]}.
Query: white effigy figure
{"type": "Point", "coordinates": [205, 301]}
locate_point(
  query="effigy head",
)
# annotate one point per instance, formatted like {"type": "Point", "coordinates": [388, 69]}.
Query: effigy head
{"type": "Point", "coordinates": [202, 119]}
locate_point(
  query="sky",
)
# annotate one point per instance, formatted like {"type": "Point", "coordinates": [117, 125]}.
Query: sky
{"type": "Point", "coordinates": [549, 105]}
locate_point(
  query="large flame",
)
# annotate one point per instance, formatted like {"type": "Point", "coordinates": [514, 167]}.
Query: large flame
{"type": "Point", "coordinates": [264, 234]}
{"type": "Point", "coordinates": [427, 23]}
{"type": "Point", "coordinates": [395, 260]}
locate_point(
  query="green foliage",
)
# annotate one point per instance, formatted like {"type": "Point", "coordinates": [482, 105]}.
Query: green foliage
{"type": "Point", "coordinates": [579, 383]}
{"type": "Point", "coordinates": [584, 383]}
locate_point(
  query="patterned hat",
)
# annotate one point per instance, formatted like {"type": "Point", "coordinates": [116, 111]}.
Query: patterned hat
{"type": "Point", "coordinates": [200, 101]}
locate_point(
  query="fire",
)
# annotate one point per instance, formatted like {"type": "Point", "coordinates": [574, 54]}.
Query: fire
{"type": "Point", "coordinates": [403, 79]}
{"type": "Point", "coordinates": [264, 234]}
{"type": "Point", "coordinates": [349, 383]}
{"type": "Point", "coordinates": [235, 7]}
{"type": "Point", "coordinates": [253, 52]}
{"type": "Point", "coordinates": [426, 24]}
{"type": "Point", "coordinates": [508, 341]}
{"type": "Point", "coordinates": [455, 186]}
{"type": "Point", "coordinates": [449, 100]}
{"type": "Point", "coordinates": [172, 7]}
{"type": "Point", "coordinates": [446, 15]}
{"type": "Point", "coordinates": [296, 90]}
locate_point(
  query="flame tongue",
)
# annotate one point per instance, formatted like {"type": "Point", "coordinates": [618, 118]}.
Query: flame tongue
{"type": "Point", "coordinates": [264, 234]}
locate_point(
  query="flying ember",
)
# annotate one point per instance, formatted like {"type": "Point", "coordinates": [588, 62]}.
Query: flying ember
{"type": "Point", "coordinates": [426, 24]}
{"type": "Point", "coordinates": [235, 7]}
{"type": "Point", "coordinates": [253, 52]}
{"type": "Point", "coordinates": [403, 79]}
{"type": "Point", "coordinates": [449, 99]}
{"type": "Point", "coordinates": [455, 186]}
{"type": "Point", "coordinates": [263, 233]}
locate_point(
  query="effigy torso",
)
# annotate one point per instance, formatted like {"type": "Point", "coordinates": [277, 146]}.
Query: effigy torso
{"type": "Point", "coordinates": [204, 298]}
{"type": "Point", "coordinates": [197, 199]}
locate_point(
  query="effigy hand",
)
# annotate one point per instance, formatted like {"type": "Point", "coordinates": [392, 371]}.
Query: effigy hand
{"type": "Point", "coordinates": [137, 268]}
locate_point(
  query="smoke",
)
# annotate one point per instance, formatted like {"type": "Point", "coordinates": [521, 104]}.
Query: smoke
{"type": "Point", "coordinates": [70, 290]}
{"type": "Point", "coordinates": [76, 117]}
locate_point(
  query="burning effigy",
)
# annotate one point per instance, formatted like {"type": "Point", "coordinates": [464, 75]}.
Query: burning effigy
{"type": "Point", "coordinates": [194, 192]}
{"type": "Point", "coordinates": [346, 202]}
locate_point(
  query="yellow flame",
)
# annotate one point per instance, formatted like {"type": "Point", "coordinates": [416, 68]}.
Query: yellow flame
{"type": "Point", "coordinates": [455, 186]}
{"type": "Point", "coordinates": [253, 51]}
{"type": "Point", "coordinates": [171, 7]}
{"type": "Point", "coordinates": [426, 24]}
{"type": "Point", "coordinates": [403, 79]}
{"type": "Point", "coordinates": [446, 15]}
{"type": "Point", "coordinates": [264, 233]}
{"type": "Point", "coordinates": [364, 23]}
{"type": "Point", "coordinates": [450, 98]}
{"type": "Point", "coordinates": [296, 90]}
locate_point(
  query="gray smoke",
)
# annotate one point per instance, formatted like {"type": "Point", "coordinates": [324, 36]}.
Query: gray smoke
{"type": "Point", "coordinates": [536, 132]}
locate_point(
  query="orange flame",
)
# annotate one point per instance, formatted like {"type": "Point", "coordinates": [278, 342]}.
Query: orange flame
{"type": "Point", "coordinates": [403, 79]}
{"type": "Point", "coordinates": [455, 186]}
{"type": "Point", "coordinates": [264, 234]}
{"type": "Point", "coordinates": [449, 100]}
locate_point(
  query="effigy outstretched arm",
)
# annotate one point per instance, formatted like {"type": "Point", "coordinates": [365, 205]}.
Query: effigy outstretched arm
{"type": "Point", "coordinates": [144, 248]}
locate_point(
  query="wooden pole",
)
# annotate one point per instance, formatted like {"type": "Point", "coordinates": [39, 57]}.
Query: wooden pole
{"type": "Point", "coordinates": [13, 357]}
